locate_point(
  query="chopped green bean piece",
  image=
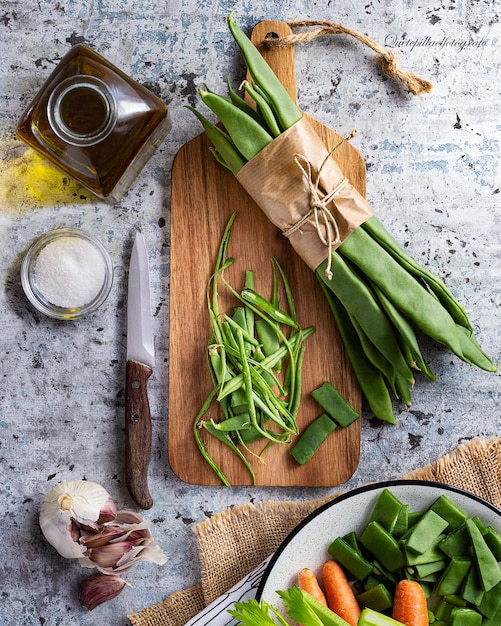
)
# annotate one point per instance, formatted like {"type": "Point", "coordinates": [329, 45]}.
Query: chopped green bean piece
{"type": "Point", "coordinates": [414, 517]}
{"type": "Point", "coordinates": [386, 510]}
{"type": "Point", "coordinates": [233, 423]}
{"type": "Point", "coordinates": [479, 524]}
{"type": "Point", "coordinates": [249, 435]}
{"type": "Point", "coordinates": [333, 403]}
{"type": "Point", "coordinates": [349, 558]}
{"type": "Point", "coordinates": [495, 620]}
{"type": "Point", "coordinates": [428, 556]}
{"type": "Point", "coordinates": [238, 402]}
{"type": "Point", "coordinates": [352, 540]}
{"type": "Point", "coordinates": [493, 540]}
{"type": "Point", "coordinates": [402, 523]}
{"type": "Point", "coordinates": [490, 604]}
{"type": "Point", "coordinates": [456, 542]}
{"type": "Point", "coordinates": [384, 573]}
{"type": "Point", "coordinates": [431, 578]}
{"type": "Point", "coordinates": [377, 598]}
{"type": "Point", "coordinates": [424, 569]}
{"type": "Point", "coordinates": [311, 438]}
{"type": "Point", "coordinates": [461, 616]}
{"type": "Point", "coordinates": [453, 576]}
{"type": "Point", "coordinates": [443, 611]}
{"type": "Point", "coordinates": [425, 532]}
{"type": "Point", "coordinates": [269, 339]}
{"type": "Point", "coordinates": [472, 590]}
{"type": "Point", "coordinates": [488, 567]}
{"type": "Point", "coordinates": [383, 546]}
{"type": "Point", "coordinates": [444, 507]}
{"type": "Point", "coordinates": [455, 600]}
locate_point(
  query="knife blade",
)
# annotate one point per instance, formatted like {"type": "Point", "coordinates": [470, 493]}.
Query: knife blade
{"type": "Point", "coordinates": [139, 367]}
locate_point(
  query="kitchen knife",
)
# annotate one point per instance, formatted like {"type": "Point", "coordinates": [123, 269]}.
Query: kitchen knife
{"type": "Point", "coordinates": [140, 363]}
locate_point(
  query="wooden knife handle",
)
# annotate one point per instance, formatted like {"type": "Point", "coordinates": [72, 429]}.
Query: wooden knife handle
{"type": "Point", "coordinates": [137, 432]}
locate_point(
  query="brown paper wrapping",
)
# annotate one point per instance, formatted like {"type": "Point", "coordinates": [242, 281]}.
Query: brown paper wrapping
{"type": "Point", "coordinates": [280, 188]}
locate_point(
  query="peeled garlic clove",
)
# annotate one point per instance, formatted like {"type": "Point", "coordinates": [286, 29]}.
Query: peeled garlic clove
{"type": "Point", "coordinates": [69, 505]}
{"type": "Point", "coordinates": [99, 588]}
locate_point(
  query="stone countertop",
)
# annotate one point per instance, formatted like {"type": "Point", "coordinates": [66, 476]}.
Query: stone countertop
{"type": "Point", "coordinates": [433, 177]}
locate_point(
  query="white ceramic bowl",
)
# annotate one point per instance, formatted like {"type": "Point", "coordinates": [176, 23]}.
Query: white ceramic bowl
{"type": "Point", "coordinates": [307, 544]}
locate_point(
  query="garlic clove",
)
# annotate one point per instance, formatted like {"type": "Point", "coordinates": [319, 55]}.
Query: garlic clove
{"type": "Point", "coordinates": [110, 555]}
{"type": "Point", "coordinates": [70, 505]}
{"type": "Point", "coordinates": [128, 517]}
{"type": "Point", "coordinates": [99, 588]}
{"type": "Point", "coordinates": [108, 535]}
{"type": "Point", "coordinates": [121, 544]}
{"type": "Point", "coordinates": [152, 553]}
{"type": "Point", "coordinates": [148, 551]}
{"type": "Point", "coordinates": [108, 512]}
{"type": "Point", "coordinates": [112, 532]}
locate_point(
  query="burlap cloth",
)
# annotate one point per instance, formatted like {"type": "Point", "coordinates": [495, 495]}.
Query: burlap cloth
{"type": "Point", "coordinates": [234, 542]}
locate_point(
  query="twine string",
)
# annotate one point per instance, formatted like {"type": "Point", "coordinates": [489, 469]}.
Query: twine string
{"type": "Point", "coordinates": [386, 59]}
{"type": "Point", "coordinates": [325, 222]}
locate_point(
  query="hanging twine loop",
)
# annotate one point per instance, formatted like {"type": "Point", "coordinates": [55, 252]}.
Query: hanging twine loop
{"type": "Point", "coordinates": [386, 59]}
{"type": "Point", "coordinates": [325, 222]}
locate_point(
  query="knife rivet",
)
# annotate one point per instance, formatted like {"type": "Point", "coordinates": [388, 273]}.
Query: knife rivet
{"type": "Point", "coordinates": [135, 417]}
{"type": "Point", "coordinates": [136, 384]}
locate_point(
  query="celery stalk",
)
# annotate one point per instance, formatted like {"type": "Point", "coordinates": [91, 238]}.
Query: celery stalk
{"type": "Point", "coordinates": [305, 609]}
{"type": "Point", "coordinates": [369, 617]}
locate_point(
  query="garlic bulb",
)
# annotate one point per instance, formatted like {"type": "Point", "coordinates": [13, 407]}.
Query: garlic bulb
{"type": "Point", "coordinates": [81, 521]}
{"type": "Point", "coordinates": [71, 505]}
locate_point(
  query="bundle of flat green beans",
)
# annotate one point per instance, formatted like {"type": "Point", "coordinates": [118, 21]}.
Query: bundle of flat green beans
{"type": "Point", "coordinates": [379, 296]}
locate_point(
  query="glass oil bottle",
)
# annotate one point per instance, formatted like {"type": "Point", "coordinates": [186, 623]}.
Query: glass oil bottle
{"type": "Point", "coordinates": [95, 123]}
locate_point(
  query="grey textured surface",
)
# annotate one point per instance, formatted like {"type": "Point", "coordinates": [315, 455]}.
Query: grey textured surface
{"type": "Point", "coordinates": [433, 179]}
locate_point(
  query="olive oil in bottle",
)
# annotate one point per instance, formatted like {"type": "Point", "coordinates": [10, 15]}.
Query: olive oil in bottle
{"type": "Point", "coordinates": [95, 123]}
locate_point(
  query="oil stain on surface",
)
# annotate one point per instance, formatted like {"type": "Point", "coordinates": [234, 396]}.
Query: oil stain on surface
{"type": "Point", "coordinates": [29, 181]}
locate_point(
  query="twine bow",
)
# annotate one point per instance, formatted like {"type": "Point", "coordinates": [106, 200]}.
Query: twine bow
{"type": "Point", "coordinates": [325, 222]}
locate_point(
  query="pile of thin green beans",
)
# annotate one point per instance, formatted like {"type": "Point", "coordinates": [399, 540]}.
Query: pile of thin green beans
{"type": "Point", "coordinates": [378, 295]}
{"type": "Point", "coordinates": [247, 351]}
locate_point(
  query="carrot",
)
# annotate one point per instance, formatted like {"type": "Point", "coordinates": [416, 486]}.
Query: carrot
{"type": "Point", "coordinates": [339, 594]}
{"type": "Point", "coordinates": [409, 604]}
{"type": "Point", "coordinates": [307, 581]}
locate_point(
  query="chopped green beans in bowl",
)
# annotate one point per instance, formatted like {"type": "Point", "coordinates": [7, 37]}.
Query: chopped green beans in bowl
{"type": "Point", "coordinates": [445, 537]}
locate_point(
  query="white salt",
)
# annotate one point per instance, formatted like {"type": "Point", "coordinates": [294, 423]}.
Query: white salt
{"type": "Point", "coordinates": [69, 272]}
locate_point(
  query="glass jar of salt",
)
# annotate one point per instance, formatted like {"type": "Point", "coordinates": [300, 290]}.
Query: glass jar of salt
{"type": "Point", "coordinates": [67, 273]}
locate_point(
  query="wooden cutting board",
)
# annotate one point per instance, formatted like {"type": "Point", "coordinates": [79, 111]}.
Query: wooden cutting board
{"type": "Point", "coordinates": [204, 195]}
